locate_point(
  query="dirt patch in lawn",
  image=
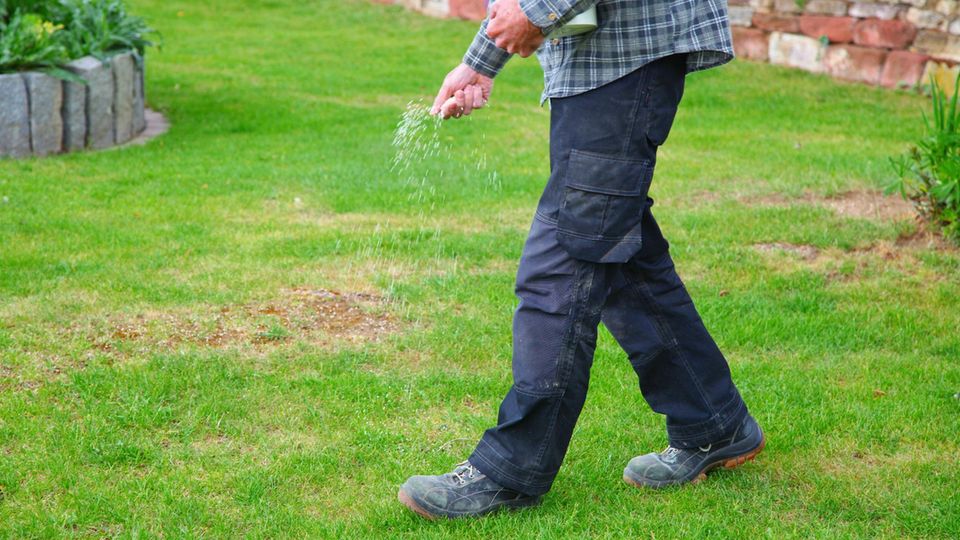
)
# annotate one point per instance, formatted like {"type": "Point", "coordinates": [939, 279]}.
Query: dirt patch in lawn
{"type": "Point", "coordinates": [805, 252]}
{"type": "Point", "coordinates": [903, 254]}
{"type": "Point", "coordinates": [299, 315]}
{"type": "Point", "coordinates": [860, 204]}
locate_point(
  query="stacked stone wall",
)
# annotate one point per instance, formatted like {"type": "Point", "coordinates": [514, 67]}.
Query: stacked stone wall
{"type": "Point", "coordinates": [891, 43]}
{"type": "Point", "coordinates": [41, 115]}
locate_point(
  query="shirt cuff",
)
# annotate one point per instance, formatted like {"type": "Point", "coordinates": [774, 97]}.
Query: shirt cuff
{"type": "Point", "coordinates": [549, 15]}
{"type": "Point", "coordinates": [484, 56]}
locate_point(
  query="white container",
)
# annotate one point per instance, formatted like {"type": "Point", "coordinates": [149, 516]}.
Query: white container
{"type": "Point", "coordinates": [581, 24]}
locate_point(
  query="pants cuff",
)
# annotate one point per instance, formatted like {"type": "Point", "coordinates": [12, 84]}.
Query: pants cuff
{"type": "Point", "coordinates": [722, 424]}
{"type": "Point", "coordinates": [486, 459]}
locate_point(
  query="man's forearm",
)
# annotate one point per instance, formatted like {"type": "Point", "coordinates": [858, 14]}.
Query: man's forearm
{"type": "Point", "coordinates": [483, 55]}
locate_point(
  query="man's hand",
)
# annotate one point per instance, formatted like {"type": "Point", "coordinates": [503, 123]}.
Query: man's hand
{"type": "Point", "coordinates": [511, 30]}
{"type": "Point", "coordinates": [463, 90]}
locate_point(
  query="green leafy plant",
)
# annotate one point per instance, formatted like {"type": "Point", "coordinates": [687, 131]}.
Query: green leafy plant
{"type": "Point", "coordinates": [101, 28]}
{"type": "Point", "coordinates": [51, 10]}
{"type": "Point", "coordinates": [27, 42]}
{"type": "Point", "coordinates": [929, 172]}
{"type": "Point", "coordinates": [44, 35]}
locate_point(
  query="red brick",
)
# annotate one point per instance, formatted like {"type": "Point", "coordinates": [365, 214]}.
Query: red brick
{"type": "Point", "coordinates": [773, 22]}
{"type": "Point", "coordinates": [750, 43]}
{"type": "Point", "coordinates": [473, 10]}
{"type": "Point", "coordinates": [836, 29]}
{"type": "Point", "coordinates": [854, 63]}
{"type": "Point", "coordinates": [895, 34]}
{"type": "Point", "coordinates": [903, 67]}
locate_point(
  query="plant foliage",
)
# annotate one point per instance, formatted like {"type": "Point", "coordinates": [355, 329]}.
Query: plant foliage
{"type": "Point", "coordinates": [929, 172]}
{"type": "Point", "coordinates": [27, 42]}
{"type": "Point", "coordinates": [46, 35]}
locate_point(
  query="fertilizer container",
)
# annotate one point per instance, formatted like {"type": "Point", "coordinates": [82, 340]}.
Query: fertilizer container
{"type": "Point", "coordinates": [581, 24]}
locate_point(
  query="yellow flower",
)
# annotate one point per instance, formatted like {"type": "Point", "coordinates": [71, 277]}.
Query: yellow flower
{"type": "Point", "coordinates": [46, 28]}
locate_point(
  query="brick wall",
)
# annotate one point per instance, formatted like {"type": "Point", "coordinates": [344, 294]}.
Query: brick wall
{"type": "Point", "coordinates": [887, 43]}
{"type": "Point", "coordinates": [892, 43]}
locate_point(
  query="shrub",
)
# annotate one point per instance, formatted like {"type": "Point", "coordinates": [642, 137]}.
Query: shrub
{"type": "Point", "coordinates": [929, 173]}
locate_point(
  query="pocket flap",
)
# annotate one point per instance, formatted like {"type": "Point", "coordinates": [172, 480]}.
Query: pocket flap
{"type": "Point", "coordinates": [600, 173]}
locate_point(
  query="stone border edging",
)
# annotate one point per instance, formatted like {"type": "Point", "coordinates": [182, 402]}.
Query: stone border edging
{"type": "Point", "coordinates": [156, 125]}
{"type": "Point", "coordinates": [42, 115]}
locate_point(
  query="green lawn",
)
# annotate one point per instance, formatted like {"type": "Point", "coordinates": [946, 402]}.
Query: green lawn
{"type": "Point", "coordinates": [173, 365]}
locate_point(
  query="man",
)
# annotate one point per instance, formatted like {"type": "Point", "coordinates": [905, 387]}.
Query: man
{"type": "Point", "coordinates": [595, 253]}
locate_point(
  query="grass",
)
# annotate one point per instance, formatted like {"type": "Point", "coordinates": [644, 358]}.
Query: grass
{"type": "Point", "coordinates": [164, 370]}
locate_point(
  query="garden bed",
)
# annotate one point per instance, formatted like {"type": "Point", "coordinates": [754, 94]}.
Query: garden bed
{"type": "Point", "coordinates": [71, 75]}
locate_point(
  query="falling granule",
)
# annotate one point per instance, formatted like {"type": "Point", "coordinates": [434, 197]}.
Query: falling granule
{"type": "Point", "coordinates": [417, 136]}
{"type": "Point", "coordinates": [416, 141]}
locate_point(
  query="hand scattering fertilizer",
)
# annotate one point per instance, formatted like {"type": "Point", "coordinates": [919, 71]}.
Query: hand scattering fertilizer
{"type": "Point", "coordinates": [581, 24]}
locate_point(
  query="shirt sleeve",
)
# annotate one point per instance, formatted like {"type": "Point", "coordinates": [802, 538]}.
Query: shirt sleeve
{"type": "Point", "coordinates": [552, 14]}
{"type": "Point", "coordinates": [484, 56]}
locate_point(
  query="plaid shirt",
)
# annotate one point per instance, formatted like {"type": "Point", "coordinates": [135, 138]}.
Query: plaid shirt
{"type": "Point", "coordinates": [630, 33]}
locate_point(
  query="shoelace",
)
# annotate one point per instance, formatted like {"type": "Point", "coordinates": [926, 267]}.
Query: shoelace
{"type": "Point", "coordinates": [463, 471]}
{"type": "Point", "coordinates": [670, 452]}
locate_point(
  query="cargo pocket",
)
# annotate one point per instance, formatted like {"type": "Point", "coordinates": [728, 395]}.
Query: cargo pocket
{"type": "Point", "coordinates": [603, 203]}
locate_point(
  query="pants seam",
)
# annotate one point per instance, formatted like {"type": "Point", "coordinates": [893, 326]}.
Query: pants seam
{"type": "Point", "coordinates": [569, 352]}
{"type": "Point", "coordinates": [670, 339]}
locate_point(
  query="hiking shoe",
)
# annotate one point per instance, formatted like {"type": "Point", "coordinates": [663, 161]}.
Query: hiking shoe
{"type": "Point", "coordinates": [461, 493]}
{"type": "Point", "coordinates": [681, 465]}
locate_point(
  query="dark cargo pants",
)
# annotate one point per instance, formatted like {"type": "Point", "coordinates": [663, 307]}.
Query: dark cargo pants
{"type": "Point", "coordinates": [595, 252]}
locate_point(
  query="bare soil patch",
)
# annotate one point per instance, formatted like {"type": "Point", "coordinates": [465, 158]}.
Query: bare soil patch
{"type": "Point", "coordinates": [316, 316]}
{"type": "Point", "coordinates": [860, 204]}
{"type": "Point", "coordinates": [805, 252]}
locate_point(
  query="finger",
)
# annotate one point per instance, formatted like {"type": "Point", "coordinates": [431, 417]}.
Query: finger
{"type": "Point", "coordinates": [470, 99]}
{"type": "Point", "coordinates": [485, 90]}
{"type": "Point", "coordinates": [494, 29]}
{"type": "Point", "coordinates": [493, 10]}
{"type": "Point", "coordinates": [442, 96]}
{"type": "Point", "coordinates": [448, 108]}
{"type": "Point", "coordinates": [478, 100]}
{"type": "Point", "coordinates": [461, 100]}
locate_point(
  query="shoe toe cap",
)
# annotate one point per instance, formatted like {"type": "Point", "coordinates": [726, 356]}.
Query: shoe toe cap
{"type": "Point", "coordinates": [648, 467]}
{"type": "Point", "coordinates": [427, 491]}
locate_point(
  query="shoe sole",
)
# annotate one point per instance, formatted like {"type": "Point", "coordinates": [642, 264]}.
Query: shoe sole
{"type": "Point", "coordinates": [726, 463]}
{"type": "Point", "coordinates": [408, 501]}
{"type": "Point", "coordinates": [411, 504]}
